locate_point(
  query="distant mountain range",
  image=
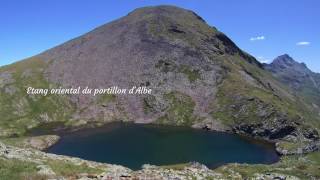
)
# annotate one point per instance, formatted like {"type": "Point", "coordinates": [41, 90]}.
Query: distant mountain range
{"type": "Point", "coordinates": [298, 77]}
{"type": "Point", "coordinates": [199, 77]}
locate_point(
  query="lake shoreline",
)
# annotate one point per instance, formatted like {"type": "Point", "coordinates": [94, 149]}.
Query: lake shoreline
{"type": "Point", "coordinates": [89, 130]}
{"type": "Point", "coordinates": [61, 130]}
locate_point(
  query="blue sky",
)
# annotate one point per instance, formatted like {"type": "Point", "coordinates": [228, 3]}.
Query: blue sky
{"type": "Point", "coordinates": [263, 28]}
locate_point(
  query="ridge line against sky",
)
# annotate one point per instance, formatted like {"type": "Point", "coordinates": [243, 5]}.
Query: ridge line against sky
{"type": "Point", "coordinates": [265, 29]}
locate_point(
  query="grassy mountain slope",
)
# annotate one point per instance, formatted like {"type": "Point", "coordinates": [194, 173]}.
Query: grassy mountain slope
{"type": "Point", "coordinates": [20, 111]}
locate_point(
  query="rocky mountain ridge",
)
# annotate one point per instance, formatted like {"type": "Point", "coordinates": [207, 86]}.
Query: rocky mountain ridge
{"type": "Point", "coordinates": [298, 77]}
{"type": "Point", "coordinates": [296, 73]}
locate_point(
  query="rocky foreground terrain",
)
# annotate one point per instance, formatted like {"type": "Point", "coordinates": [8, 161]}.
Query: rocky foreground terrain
{"type": "Point", "coordinates": [26, 163]}
{"type": "Point", "coordinates": [198, 77]}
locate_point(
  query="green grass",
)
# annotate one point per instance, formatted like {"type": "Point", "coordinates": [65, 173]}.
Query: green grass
{"type": "Point", "coordinates": [16, 141]}
{"type": "Point", "coordinates": [106, 98]}
{"type": "Point", "coordinates": [314, 157]}
{"type": "Point", "coordinates": [291, 146]}
{"type": "Point", "coordinates": [192, 75]}
{"type": "Point", "coordinates": [20, 111]}
{"type": "Point", "coordinates": [68, 169]}
{"type": "Point", "coordinates": [180, 111]}
{"type": "Point", "coordinates": [176, 166]}
{"type": "Point", "coordinates": [15, 170]}
{"type": "Point", "coordinates": [235, 90]}
{"type": "Point", "coordinates": [301, 166]}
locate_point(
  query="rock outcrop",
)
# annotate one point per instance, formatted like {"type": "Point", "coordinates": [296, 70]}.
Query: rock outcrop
{"type": "Point", "coordinates": [41, 142]}
{"type": "Point", "coordinates": [46, 169]}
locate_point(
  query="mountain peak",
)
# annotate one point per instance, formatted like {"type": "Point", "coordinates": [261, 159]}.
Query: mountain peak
{"type": "Point", "coordinates": [293, 73]}
{"type": "Point", "coordinates": [150, 30]}
{"type": "Point", "coordinates": [284, 59]}
{"type": "Point", "coordinates": [166, 10]}
{"type": "Point", "coordinates": [285, 56]}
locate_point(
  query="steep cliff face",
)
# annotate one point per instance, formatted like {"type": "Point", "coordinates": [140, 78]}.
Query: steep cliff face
{"type": "Point", "coordinates": [199, 78]}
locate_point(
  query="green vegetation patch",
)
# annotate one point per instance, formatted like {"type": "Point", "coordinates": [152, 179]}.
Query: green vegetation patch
{"type": "Point", "coordinates": [291, 146]}
{"type": "Point", "coordinates": [69, 170]}
{"type": "Point", "coordinates": [106, 98]}
{"type": "Point", "coordinates": [16, 169]}
{"type": "Point", "coordinates": [239, 100]}
{"type": "Point", "coordinates": [180, 111]}
{"type": "Point", "coordinates": [176, 166]}
{"type": "Point", "coordinates": [301, 166]}
{"type": "Point", "coordinates": [149, 104]}
{"type": "Point", "coordinates": [20, 111]}
{"type": "Point", "coordinates": [192, 74]}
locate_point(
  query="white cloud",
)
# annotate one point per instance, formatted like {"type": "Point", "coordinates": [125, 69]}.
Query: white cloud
{"type": "Point", "coordinates": [263, 59]}
{"type": "Point", "coordinates": [303, 43]}
{"type": "Point", "coordinates": [258, 38]}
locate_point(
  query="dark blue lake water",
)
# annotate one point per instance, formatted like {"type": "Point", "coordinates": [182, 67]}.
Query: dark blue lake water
{"type": "Point", "coordinates": [133, 145]}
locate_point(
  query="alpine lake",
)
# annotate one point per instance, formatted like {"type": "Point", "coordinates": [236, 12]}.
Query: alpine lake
{"type": "Point", "coordinates": [133, 145]}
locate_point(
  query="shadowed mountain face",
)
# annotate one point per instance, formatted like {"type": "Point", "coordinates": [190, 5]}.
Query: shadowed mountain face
{"type": "Point", "coordinates": [198, 75]}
